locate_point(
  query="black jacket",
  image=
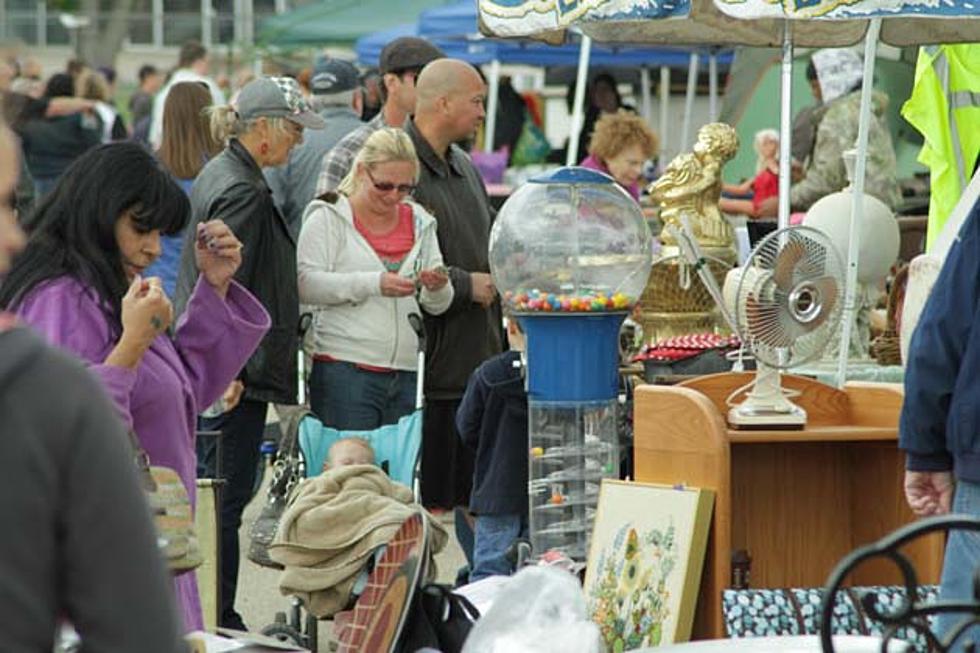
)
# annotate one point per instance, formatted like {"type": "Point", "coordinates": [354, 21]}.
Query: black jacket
{"type": "Point", "coordinates": [466, 334]}
{"type": "Point", "coordinates": [492, 419]}
{"type": "Point", "coordinates": [80, 544]}
{"type": "Point", "coordinates": [51, 144]}
{"type": "Point", "coordinates": [231, 188]}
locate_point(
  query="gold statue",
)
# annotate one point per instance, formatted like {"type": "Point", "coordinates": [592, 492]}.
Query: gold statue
{"type": "Point", "coordinates": [691, 185]}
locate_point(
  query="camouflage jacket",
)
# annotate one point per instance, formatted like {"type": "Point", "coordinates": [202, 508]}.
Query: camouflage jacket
{"type": "Point", "coordinates": [837, 131]}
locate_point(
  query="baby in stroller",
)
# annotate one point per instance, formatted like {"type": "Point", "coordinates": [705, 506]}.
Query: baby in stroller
{"type": "Point", "coordinates": [337, 524]}
{"type": "Point", "coordinates": [348, 451]}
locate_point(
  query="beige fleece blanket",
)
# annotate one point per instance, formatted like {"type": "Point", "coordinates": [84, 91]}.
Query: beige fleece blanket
{"type": "Point", "coordinates": [333, 525]}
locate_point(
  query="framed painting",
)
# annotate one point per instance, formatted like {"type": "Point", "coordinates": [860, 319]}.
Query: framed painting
{"type": "Point", "coordinates": [645, 560]}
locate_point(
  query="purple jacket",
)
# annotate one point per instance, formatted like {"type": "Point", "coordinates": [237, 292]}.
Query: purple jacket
{"type": "Point", "coordinates": [177, 378]}
{"type": "Point", "coordinates": [592, 163]}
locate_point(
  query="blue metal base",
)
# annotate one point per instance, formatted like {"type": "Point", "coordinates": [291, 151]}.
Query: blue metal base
{"type": "Point", "coordinates": [572, 356]}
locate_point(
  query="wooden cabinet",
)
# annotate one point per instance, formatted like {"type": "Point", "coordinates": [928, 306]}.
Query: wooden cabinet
{"type": "Point", "coordinates": [797, 501]}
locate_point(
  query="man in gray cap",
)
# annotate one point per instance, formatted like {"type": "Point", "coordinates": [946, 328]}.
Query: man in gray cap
{"type": "Point", "coordinates": [399, 64]}
{"type": "Point", "coordinates": [337, 99]}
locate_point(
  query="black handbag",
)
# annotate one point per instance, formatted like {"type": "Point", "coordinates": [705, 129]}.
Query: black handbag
{"type": "Point", "coordinates": [287, 472]}
{"type": "Point", "coordinates": [438, 618]}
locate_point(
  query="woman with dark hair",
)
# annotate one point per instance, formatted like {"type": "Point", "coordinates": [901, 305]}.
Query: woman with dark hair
{"type": "Point", "coordinates": [186, 146]}
{"type": "Point", "coordinates": [51, 144]}
{"type": "Point", "coordinates": [79, 282]}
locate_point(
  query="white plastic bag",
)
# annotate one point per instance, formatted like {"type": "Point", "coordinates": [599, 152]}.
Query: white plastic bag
{"type": "Point", "coordinates": [541, 610]}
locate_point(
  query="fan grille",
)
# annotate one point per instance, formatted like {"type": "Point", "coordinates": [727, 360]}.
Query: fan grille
{"type": "Point", "coordinates": [790, 296]}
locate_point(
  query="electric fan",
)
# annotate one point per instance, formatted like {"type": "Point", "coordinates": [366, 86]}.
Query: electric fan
{"type": "Point", "coordinates": [786, 303]}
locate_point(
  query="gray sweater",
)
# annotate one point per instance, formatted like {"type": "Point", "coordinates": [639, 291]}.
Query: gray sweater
{"type": "Point", "coordinates": [78, 541]}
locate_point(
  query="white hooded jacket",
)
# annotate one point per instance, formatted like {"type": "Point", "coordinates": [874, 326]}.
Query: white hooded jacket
{"type": "Point", "coordinates": [340, 277]}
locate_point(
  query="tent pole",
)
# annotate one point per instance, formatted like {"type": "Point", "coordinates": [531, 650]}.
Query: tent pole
{"type": "Point", "coordinates": [645, 98]}
{"type": "Point", "coordinates": [579, 109]}
{"type": "Point", "coordinates": [713, 86]}
{"type": "Point", "coordinates": [857, 198]}
{"type": "Point", "coordinates": [692, 87]}
{"type": "Point", "coordinates": [785, 124]}
{"type": "Point", "coordinates": [664, 109]}
{"type": "Point", "coordinates": [493, 96]}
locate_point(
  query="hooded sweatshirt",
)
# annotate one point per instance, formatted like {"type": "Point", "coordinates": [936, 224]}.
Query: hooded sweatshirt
{"type": "Point", "coordinates": [492, 420]}
{"type": "Point", "coordinates": [80, 542]}
{"type": "Point", "coordinates": [340, 275]}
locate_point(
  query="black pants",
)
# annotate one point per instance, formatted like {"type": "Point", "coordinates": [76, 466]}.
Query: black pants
{"type": "Point", "coordinates": [447, 463]}
{"type": "Point", "coordinates": [241, 430]}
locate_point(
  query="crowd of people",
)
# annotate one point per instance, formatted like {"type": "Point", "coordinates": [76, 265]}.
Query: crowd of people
{"type": "Point", "coordinates": [173, 257]}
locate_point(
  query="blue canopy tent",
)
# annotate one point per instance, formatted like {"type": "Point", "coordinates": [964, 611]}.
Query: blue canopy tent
{"type": "Point", "coordinates": [461, 21]}
{"type": "Point", "coordinates": [454, 29]}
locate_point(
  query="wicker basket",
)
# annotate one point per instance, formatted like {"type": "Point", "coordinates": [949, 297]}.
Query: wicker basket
{"type": "Point", "coordinates": [668, 309]}
{"type": "Point", "coordinates": [886, 348]}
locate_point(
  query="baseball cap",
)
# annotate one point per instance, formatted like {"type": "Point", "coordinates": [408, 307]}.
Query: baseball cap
{"type": "Point", "coordinates": [276, 97]}
{"type": "Point", "coordinates": [407, 52]}
{"type": "Point", "coordinates": [333, 76]}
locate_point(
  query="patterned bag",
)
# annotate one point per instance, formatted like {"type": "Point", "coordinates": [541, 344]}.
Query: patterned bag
{"type": "Point", "coordinates": [172, 514]}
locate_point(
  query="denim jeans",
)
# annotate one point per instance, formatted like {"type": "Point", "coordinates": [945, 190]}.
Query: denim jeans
{"type": "Point", "coordinates": [346, 397]}
{"type": "Point", "coordinates": [960, 562]}
{"type": "Point", "coordinates": [493, 537]}
{"type": "Point", "coordinates": [242, 429]}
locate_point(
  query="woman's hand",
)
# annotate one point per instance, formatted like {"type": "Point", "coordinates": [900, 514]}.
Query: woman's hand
{"type": "Point", "coordinates": [146, 313]}
{"type": "Point", "coordinates": [218, 253]}
{"type": "Point", "coordinates": [435, 279]}
{"type": "Point", "coordinates": [393, 285]}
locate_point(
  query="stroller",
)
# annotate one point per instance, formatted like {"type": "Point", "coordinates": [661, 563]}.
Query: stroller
{"type": "Point", "coordinates": [396, 447]}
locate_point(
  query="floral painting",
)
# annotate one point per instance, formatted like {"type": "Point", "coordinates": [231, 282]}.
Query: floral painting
{"type": "Point", "coordinates": [645, 563]}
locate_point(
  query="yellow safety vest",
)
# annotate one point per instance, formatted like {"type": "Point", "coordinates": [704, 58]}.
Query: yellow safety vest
{"type": "Point", "coordinates": [945, 108]}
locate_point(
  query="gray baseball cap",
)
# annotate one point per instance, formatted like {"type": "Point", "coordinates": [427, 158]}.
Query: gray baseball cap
{"type": "Point", "coordinates": [276, 97]}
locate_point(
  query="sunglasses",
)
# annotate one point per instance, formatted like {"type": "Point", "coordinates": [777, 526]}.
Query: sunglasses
{"type": "Point", "coordinates": [387, 186]}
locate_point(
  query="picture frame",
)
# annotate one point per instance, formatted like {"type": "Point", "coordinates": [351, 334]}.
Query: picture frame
{"type": "Point", "coordinates": [645, 562]}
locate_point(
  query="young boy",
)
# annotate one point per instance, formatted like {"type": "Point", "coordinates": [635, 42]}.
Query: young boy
{"type": "Point", "coordinates": [349, 451]}
{"type": "Point", "coordinates": [492, 419]}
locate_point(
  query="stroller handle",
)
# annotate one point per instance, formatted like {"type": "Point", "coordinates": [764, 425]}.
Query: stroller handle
{"type": "Point", "coordinates": [418, 327]}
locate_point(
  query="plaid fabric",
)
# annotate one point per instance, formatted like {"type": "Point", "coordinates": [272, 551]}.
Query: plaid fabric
{"type": "Point", "coordinates": [338, 161]}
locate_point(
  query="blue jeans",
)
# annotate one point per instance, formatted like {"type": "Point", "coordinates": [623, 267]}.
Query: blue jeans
{"type": "Point", "coordinates": [349, 398]}
{"type": "Point", "coordinates": [242, 430]}
{"type": "Point", "coordinates": [961, 560]}
{"type": "Point", "coordinates": [493, 536]}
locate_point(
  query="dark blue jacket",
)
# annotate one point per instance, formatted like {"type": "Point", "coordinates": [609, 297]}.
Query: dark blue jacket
{"type": "Point", "coordinates": [492, 419]}
{"type": "Point", "coordinates": [940, 424]}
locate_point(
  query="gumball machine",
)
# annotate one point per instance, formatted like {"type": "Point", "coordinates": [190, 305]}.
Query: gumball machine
{"type": "Point", "coordinates": [570, 253]}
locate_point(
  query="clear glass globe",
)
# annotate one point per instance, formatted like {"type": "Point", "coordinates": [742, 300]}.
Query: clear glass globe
{"type": "Point", "coordinates": [572, 241]}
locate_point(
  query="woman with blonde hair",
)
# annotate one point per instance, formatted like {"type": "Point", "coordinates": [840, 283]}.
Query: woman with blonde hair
{"type": "Point", "coordinates": [621, 143]}
{"type": "Point", "coordinates": [92, 85]}
{"type": "Point", "coordinates": [265, 123]}
{"type": "Point", "coordinates": [368, 257]}
{"type": "Point", "coordinates": [187, 144]}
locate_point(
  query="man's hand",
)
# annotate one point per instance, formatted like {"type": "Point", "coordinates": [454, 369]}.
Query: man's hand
{"type": "Point", "coordinates": [481, 289]}
{"type": "Point", "coordinates": [929, 493]}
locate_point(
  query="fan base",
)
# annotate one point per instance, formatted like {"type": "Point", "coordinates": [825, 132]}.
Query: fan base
{"type": "Point", "coordinates": [756, 419]}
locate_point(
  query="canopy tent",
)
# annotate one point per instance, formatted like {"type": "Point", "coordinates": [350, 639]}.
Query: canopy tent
{"type": "Point", "coordinates": [479, 51]}
{"type": "Point", "coordinates": [339, 22]}
{"type": "Point", "coordinates": [454, 28]}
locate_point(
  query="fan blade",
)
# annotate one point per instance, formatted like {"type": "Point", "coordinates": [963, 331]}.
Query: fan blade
{"type": "Point", "coordinates": [789, 255]}
{"type": "Point", "coordinates": [763, 322]}
{"type": "Point", "coordinates": [827, 287]}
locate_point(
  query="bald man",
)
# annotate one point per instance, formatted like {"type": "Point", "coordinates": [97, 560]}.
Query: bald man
{"type": "Point", "coordinates": [450, 95]}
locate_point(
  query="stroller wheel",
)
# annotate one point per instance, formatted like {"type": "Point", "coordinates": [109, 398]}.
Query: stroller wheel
{"type": "Point", "coordinates": [284, 633]}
